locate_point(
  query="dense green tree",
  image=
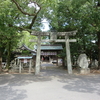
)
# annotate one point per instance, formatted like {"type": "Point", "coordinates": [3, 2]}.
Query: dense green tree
{"type": "Point", "coordinates": [26, 15]}
{"type": "Point", "coordinates": [89, 20]}
{"type": "Point", "coordinates": [26, 37]}
{"type": "Point", "coordinates": [82, 15]}
{"type": "Point", "coordinates": [17, 16]}
{"type": "Point", "coordinates": [8, 35]}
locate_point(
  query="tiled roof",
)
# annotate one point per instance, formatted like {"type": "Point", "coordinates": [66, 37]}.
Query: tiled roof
{"type": "Point", "coordinates": [51, 47]}
{"type": "Point", "coordinates": [24, 47]}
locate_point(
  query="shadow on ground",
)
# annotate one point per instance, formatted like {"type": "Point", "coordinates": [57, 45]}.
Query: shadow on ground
{"type": "Point", "coordinates": [9, 81]}
{"type": "Point", "coordinates": [78, 83]}
{"type": "Point", "coordinates": [85, 84]}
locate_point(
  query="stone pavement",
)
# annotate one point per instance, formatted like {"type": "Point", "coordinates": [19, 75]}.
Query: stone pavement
{"type": "Point", "coordinates": [51, 84]}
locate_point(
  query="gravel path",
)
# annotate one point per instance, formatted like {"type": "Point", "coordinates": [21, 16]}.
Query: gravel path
{"type": "Point", "coordinates": [51, 84]}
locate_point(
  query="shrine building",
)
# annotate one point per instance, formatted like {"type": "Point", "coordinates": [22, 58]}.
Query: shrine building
{"type": "Point", "coordinates": [49, 53]}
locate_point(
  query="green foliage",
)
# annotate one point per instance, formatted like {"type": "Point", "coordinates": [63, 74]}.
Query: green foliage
{"type": "Point", "coordinates": [63, 15]}
{"type": "Point", "coordinates": [25, 52]}
{"type": "Point", "coordinates": [13, 20]}
{"type": "Point", "coordinates": [62, 54]}
{"type": "Point", "coordinates": [81, 15]}
{"type": "Point", "coordinates": [26, 40]}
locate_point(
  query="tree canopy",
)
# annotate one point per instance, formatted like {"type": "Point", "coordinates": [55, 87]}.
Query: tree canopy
{"type": "Point", "coordinates": [82, 15]}
{"type": "Point", "coordinates": [18, 17]}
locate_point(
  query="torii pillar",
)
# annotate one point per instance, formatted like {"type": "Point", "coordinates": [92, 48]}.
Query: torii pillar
{"type": "Point", "coordinates": [68, 55]}
{"type": "Point", "coordinates": [38, 54]}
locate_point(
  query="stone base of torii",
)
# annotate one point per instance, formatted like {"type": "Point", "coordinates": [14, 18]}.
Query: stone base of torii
{"type": "Point", "coordinates": [53, 38]}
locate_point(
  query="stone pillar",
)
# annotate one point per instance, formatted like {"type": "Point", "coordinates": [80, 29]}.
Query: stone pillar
{"type": "Point", "coordinates": [37, 66]}
{"type": "Point", "coordinates": [69, 66]}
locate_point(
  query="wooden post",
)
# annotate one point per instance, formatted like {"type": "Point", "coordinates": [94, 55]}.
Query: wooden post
{"type": "Point", "coordinates": [30, 66]}
{"type": "Point", "coordinates": [69, 66]}
{"type": "Point", "coordinates": [19, 66]}
{"type": "Point", "coordinates": [37, 66]}
{"type": "Point", "coordinates": [57, 59]}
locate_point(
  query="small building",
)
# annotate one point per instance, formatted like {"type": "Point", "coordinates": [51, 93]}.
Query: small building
{"type": "Point", "coordinates": [49, 53]}
{"type": "Point", "coordinates": [23, 60]}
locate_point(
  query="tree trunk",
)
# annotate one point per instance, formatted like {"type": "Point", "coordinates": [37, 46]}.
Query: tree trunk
{"type": "Point", "coordinates": [0, 61]}
{"type": "Point", "coordinates": [8, 55]}
{"type": "Point", "coordinates": [84, 44]}
{"type": "Point", "coordinates": [99, 50]}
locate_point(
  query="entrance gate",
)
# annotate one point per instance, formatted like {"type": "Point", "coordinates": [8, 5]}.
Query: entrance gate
{"type": "Point", "coordinates": [53, 38]}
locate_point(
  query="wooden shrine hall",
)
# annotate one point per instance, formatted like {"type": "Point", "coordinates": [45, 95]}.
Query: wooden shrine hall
{"type": "Point", "coordinates": [49, 53]}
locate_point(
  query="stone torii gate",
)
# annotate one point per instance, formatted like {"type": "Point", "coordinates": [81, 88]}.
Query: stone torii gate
{"type": "Point", "coordinates": [53, 38]}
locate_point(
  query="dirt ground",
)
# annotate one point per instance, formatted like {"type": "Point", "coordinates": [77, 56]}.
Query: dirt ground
{"type": "Point", "coordinates": [50, 84]}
